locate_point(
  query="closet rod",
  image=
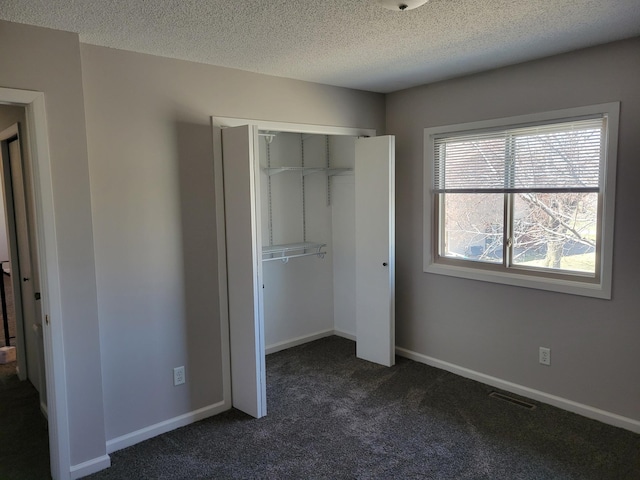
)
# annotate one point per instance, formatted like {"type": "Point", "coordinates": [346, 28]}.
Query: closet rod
{"type": "Point", "coordinates": [286, 259]}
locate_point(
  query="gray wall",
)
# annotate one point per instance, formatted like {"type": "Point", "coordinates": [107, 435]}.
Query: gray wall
{"type": "Point", "coordinates": [496, 329]}
{"type": "Point", "coordinates": [152, 189]}
{"type": "Point", "coordinates": [48, 61]}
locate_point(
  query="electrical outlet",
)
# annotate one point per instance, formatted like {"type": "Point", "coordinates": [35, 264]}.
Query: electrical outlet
{"type": "Point", "coordinates": [545, 356]}
{"type": "Point", "coordinates": [178, 376]}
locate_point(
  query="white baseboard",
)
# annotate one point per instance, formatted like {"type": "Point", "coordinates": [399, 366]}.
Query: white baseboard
{"type": "Point", "coordinates": [151, 431]}
{"type": "Point", "coordinates": [340, 333]}
{"type": "Point", "coordinates": [294, 342]}
{"type": "Point", "coordinates": [90, 466]}
{"type": "Point", "coordinates": [563, 403]}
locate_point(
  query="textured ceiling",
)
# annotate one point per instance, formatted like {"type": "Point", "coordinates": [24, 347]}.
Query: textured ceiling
{"type": "Point", "coordinates": [351, 43]}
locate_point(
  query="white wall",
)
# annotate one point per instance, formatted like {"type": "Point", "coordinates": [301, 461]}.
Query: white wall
{"type": "Point", "coordinates": [152, 188]}
{"type": "Point", "coordinates": [343, 217]}
{"type": "Point", "coordinates": [496, 329]}
{"type": "Point", "coordinates": [48, 61]}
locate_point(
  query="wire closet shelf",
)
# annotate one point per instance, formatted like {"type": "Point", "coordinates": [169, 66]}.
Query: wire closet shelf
{"type": "Point", "coordinates": [293, 250]}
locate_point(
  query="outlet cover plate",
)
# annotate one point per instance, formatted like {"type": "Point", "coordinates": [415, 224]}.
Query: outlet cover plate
{"type": "Point", "coordinates": [178, 376]}
{"type": "Point", "coordinates": [545, 356]}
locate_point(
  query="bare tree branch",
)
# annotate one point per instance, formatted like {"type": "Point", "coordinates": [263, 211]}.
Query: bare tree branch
{"type": "Point", "coordinates": [533, 200]}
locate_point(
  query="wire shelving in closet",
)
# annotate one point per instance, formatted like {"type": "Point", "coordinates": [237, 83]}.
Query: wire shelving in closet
{"type": "Point", "coordinates": [284, 252]}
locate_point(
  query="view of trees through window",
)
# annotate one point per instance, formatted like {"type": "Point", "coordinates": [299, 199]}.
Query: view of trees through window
{"type": "Point", "coordinates": [543, 184]}
{"type": "Point", "coordinates": [552, 230]}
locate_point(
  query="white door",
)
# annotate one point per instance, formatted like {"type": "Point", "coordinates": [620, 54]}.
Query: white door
{"type": "Point", "coordinates": [375, 249]}
{"type": "Point", "coordinates": [21, 273]}
{"type": "Point", "coordinates": [22, 276]}
{"type": "Point", "coordinates": [244, 269]}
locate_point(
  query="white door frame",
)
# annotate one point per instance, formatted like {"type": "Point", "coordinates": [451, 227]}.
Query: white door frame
{"type": "Point", "coordinates": [217, 123]}
{"type": "Point", "coordinates": [47, 245]}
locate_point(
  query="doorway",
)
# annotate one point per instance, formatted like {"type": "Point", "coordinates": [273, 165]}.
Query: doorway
{"type": "Point", "coordinates": [250, 238]}
{"type": "Point", "coordinates": [33, 103]}
{"type": "Point", "coordinates": [20, 294]}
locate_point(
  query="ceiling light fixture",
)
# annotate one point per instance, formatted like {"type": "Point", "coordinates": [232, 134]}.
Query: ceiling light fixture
{"type": "Point", "coordinates": [400, 6]}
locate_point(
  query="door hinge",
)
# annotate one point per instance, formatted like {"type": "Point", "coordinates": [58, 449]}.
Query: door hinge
{"type": "Point", "coordinates": [37, 295]}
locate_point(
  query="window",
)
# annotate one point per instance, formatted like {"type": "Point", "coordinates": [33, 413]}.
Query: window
{"type": "Point", "coordinates": [525, 200]}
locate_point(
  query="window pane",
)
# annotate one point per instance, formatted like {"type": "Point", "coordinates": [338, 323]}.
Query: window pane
{"type": "Point", "coordinates": [556, 230]}
{"type": "Point", "coordinates": [473, 226]}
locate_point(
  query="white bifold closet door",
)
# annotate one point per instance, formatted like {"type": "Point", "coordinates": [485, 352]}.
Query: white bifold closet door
{"type": "Point", "coordinates": [375, 249]}
{"type": "Point", "coordinates": [374, 261]}
{"type": "Point", "coordinates": [244, 269]}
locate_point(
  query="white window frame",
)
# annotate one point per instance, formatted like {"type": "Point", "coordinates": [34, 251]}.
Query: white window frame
{"type": "Point", "coordinates": [565, 283]}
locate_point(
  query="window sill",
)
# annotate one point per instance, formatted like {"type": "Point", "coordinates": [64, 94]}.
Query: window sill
{"type": "Point", "coordinates": [573, 287]}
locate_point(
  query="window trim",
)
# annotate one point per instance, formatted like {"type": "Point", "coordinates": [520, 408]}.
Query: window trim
{"type": "Point", "coordinates": [575, 284]}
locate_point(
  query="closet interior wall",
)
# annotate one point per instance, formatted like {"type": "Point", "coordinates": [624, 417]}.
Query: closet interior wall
{"type": "Point", "coordinates": [308, 296]}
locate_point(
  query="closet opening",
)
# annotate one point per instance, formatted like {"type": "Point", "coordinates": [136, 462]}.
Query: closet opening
{"type": "Point", "coordinates": [307, 215]}
{"type": "Point", "coordinates": [306, 224]}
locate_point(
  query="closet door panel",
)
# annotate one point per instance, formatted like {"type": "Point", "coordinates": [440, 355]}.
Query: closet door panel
{"type": "Point", "coordinates": [375, 249]}
{"type": "Point", "coordinates": [244, 268]}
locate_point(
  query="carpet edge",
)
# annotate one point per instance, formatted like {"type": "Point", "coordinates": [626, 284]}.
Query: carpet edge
{"type": "Point", "coordinates": [165, 426]}
{"type": "Point", "coordinates": [588, 411]}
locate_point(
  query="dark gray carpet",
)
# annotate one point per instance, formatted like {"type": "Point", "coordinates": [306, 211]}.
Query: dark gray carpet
{"type": "Point", "coordinates": [332, 416]}
{"type": "Point", "coordinates": [24, 443]}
